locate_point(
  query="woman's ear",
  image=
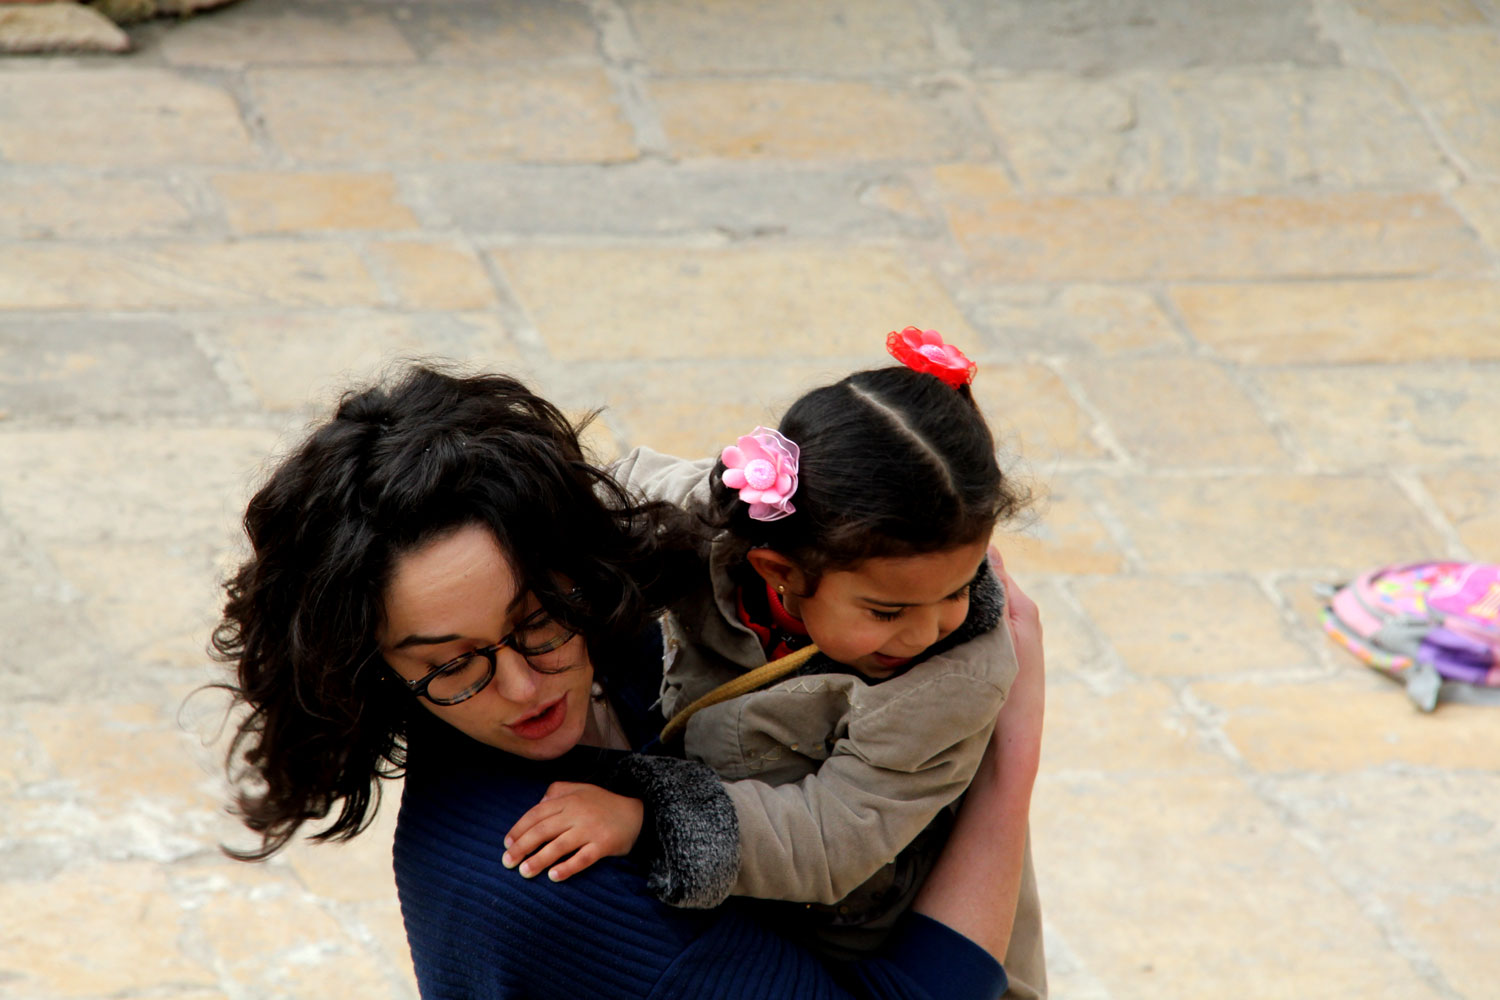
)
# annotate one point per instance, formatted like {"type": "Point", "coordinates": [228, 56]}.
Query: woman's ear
{"type": "Point", "coordinates": [777, 570]}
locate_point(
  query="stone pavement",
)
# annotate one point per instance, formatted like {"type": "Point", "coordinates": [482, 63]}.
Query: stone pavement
{"type": "Point", "coordinates": [1228, 267]}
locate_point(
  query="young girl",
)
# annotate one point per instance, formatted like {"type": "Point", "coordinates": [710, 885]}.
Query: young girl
{"type": "Point", "coordinates": [857, 531]}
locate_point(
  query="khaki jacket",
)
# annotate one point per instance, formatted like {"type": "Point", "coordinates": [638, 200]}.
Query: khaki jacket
{"type": "Point", "coordinates": [831, 776]}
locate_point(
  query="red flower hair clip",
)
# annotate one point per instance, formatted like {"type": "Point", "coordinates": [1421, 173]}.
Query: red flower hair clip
{"type": "Point", "coordinates": [924, 351]}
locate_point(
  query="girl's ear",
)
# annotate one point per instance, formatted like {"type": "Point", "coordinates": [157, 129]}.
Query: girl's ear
{"type": "Point", "coordinates": [777, 570]}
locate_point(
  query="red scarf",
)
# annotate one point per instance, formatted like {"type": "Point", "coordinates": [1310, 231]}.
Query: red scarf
{"type": "Point", "coordinates": [779, 633]}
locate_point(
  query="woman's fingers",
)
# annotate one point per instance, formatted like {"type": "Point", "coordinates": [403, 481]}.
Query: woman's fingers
{"type": "Point", "coordinates": [997, 561]}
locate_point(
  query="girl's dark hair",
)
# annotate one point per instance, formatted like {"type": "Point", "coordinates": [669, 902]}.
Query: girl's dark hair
{"type": "Point", "coordinates": [893, 462]}
{"type": "Point", "coordinates": [399, 465]}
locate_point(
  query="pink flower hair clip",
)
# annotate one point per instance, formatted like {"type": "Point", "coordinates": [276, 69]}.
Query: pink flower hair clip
{"type": "Point", "coordinates": [763, 467]}
{"type": "Point", "coordinates": [924, 351]}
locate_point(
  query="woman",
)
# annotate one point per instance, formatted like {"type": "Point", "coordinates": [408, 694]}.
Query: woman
{"type": "Point", "coordinates": [441, 582]}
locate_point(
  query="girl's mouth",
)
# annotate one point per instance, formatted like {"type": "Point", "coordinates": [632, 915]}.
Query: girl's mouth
{"type": "Point", "coordinates": [543, 723]}
{"type": "Point", "coordinates": [891, 662]}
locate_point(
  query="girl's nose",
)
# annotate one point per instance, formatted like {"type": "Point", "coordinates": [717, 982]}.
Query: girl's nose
{"type": "Point", "coordinates": [924, 629]}
{"type": "Point", "coordinates": [514, 679]}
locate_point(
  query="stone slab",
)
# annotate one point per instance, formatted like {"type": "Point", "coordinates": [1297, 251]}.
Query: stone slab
{"type": "Point", "coordinates": [443, 114]}
{"type": "Point", "coordinates": [1095, 37]}
{"type": "Point", "coordinates": [1138, 728]}
{"type": "Point", "coordinates": [242, 36]}
{"type": "Point", "coordinates": [1033, 416]}
{"type": "Point", "coordinates": [1374, 417]}
{"type": "Point", "coordinates": [1075, 651]}
{"type": "Point", "coordinates": [1404, 833]}
{"type": "Point", "coordinates": [508, 32]}
{"type": "Point", "coordinates": [63, 371]}
{"type": "Point", "coordinates": [1320, 322]}
{"type": "Point", "coordinates": [1188, 626]}
{"type": "Point", "coordinates": [829, 121]}
{"type": "Point", "coordinates": [281, 202]}
{"type": "Point", "coordinates": [33, 660]}
{"type": "Point", "coordinates": [342, 871]}
{"type": "Point", "coordinates": [1466, 496]}
{"type": "Point", "coordinates": [1480, 204]}
{"type": "Point", "coordinates": [1197, 414]}
{"type": "Point", "coordinates": [119, 117]}
{"type": "Point", "coordinates": [1453, 929]}
{"type": "Point", "coordinates": [1010, 239]}
{"type": "Point", "coordinates": [1182, 885]}
{"type": "Point", "coordinates": [1090, 320]}
{"type": "Point", "coordinates": [66, 204]}
{"type": "Point", "coordinates": [1354, 720]}
{"type": "Point", "coordinates": [382, 924]}
{"type": "Point", "coordinates": [121, 483]}
{"type": "Point", "coordinates": [444, 275]}
{"type": "Point", "coordinates": [1453, 75]}
{"type": "Point", "coordinates": [1267, 523]}
{"type": "Point", "coordinates": [151, 276]}
{"type": "Point", "coordinates": [726, 304]}
{"type": "Point", "coordinates": [71, 945]}
{"type": "Point", "coordinates": [1061, 534]}
{"type": "Point", "coordinates": [842, 37]}
{"type": "Point", "coordinates": [151, 602]}
{"type": "Point", "coordinates": [1232, 131]}
{"type": "Point", "coordinates": [271, 938]}
{"type": "Point", "coordinates": [116, 754]}
{"type": "Point", "coordinates": [737, 201]}
{"type": "Point", "coordinates": [691, 408]}
{"type": "Point", "coordinates": [1425, 13]}
{"type": "Point", "coordinates": [302, 361]}
{"type": "Point", "coordinates": [58, 27]}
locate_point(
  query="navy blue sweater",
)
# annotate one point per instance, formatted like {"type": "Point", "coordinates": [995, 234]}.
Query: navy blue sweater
{"type": "Point", "coordinates": [481, 932]}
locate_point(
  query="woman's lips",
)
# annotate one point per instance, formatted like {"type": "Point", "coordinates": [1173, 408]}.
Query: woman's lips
{"type": "Point", "coordinates": [542, 724]}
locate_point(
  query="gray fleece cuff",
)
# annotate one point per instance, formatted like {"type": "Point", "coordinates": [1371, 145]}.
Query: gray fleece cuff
{"type": "Point", "coordinates": [691, 837]}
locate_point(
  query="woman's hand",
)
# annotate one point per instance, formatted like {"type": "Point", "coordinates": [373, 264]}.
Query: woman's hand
{"type": "Point", "coordinates": [977, 880]}
{"type": "Point", "coordinates": [1018, 732]}
{"type": "Point", "coordinates": [581, 823]}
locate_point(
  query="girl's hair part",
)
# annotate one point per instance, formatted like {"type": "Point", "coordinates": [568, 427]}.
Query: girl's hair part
{"type": "Point", "coordinates": [893, 462]}
{"type": "Point", "coordinates": [399, 465]}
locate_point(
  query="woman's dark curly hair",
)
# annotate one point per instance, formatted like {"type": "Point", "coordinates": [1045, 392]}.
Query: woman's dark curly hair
{"type": "Point", "coordinates": [893, 462]}
{"type": "Point", "coordinates": [399, 465]}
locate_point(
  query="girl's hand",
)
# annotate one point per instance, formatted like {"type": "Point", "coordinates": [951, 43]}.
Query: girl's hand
{"type": "Point", "coordinates": [583, 821]}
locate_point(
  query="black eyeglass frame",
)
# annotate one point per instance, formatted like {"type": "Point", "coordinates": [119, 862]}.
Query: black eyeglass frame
{"type": "Point", "coordinates": [491, 653]}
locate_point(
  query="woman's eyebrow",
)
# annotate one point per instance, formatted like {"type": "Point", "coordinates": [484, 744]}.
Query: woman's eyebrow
{"type": "Point", "coordinates": [425, 640]}
{"type": "Point", "coordinates": [438, 640]}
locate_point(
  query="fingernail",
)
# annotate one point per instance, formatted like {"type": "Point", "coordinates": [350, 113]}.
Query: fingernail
{"type": "Point", "coordinates": [526, 871]}
{"type": "Point", "coordinates": [507, 860]}
{"type": "Point", "coordinates": [554, 876]}
{"type": "Point", "coordinates": [508, 843]}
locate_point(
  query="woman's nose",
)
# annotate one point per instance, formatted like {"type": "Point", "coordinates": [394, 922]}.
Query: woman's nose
{"type": "Point", "coordinates": [514, 679]}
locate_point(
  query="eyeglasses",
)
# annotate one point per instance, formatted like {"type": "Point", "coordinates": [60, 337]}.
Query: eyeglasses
{"type": "Point", "coordinates": [462, 677]}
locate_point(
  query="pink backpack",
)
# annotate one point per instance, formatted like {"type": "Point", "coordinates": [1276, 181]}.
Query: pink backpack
{"type": "Point", "coordinates": [1435, 626]}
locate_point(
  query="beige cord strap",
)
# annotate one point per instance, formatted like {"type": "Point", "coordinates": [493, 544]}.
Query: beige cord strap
{"type": "Point", "coordinates": [766, 673]}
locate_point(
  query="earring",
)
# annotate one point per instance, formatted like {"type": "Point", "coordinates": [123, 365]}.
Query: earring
{"type": "Point", "coordinates": [781, 588]}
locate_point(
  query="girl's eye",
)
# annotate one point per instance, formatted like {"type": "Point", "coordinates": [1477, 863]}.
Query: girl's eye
{"type": "Point", "coordinates": [962, 595]}
{"type": "Point", "coordinates": [885, 616]}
